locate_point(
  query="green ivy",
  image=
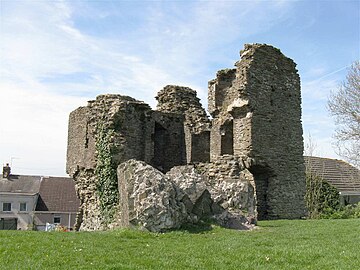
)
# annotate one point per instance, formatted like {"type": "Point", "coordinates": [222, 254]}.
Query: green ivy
{"type": "Point", "coordinates": [106, 185]}
{"type": "Point", "coordinates": [321, 197]}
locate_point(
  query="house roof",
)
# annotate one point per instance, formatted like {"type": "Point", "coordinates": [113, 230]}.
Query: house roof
{"type": "Point", "coordinates": [25, 184]}
{"type": "Point", "coordinates": [57, 194]}
{"type": "Point", "coordinates": [342, 175]}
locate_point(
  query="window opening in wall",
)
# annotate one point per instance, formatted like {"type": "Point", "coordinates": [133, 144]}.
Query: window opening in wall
{"type": "Point", "coordinates": [57, 220]}
{"type": "Point", "coordinates": [6, 207]}
{"type": "Point", "coordinates": [23, 207]}
{"type": "Point", "coordinates": [161, 142]}
{"type": "Point", "coordinates": [87, 138]}
{"type": "Point", "coordinates": [200, 147]}
{"type": "Point", "coordinates": [227, 138]}
{"type": "Point", "coordinates": [87, 143]}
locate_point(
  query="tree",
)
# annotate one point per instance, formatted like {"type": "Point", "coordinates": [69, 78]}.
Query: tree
{"type": "Point", "coordinates": [310, 146]}
{"type": "Point", "coordinates": [344, 105]}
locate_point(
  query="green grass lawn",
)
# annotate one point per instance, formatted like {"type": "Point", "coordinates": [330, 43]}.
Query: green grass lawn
{"type": "Point", "coordinates": [282, 244]}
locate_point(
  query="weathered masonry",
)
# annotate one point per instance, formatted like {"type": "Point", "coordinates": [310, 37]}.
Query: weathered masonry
{"type": "Point", "coordinates": [254, 137]}
{"type": "Point", "coordinates": [177, 133]}
{"type": "Point", "coordinates": [256, 110]}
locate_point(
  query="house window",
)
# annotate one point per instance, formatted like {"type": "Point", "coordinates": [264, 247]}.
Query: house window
{"type": "Point", "coordinates": [6, 207]}
{"type": "Point", "coordinates": [57, 219]}
{"type": "Point", "coordinates": [23, 207]}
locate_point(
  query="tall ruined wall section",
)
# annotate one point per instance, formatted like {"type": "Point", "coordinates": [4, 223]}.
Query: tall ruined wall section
{"type": "Point", "coordinates": [257, 111]}
{"type": "Point", "coordinates": [183, 101]}
{"type": "Point", "coordinates": [127, 117]}
{"type": "Point", "coordinates": [109, 131]}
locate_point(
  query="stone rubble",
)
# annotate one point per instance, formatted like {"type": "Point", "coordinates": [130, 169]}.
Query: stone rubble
{"type": "Point", "coordinates": [148, 199]}
{"type": "Point", "coordinates": [156, 202]}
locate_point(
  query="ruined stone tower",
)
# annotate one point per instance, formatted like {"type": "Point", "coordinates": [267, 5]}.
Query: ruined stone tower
{"type": "Point", "coordinates": [256, 111]}
{"type": "Point", "coordinates": [254, 141]}
{"type": "Point", "coordinates": [183, 101]}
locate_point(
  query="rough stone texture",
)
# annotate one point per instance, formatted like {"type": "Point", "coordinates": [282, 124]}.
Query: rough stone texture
{"type": "Point", "coordinates": [128, 118]}
{"type": "Point", "coordinates": [183, 100]}
{"type": "Point", "coordinates": [148, 199]}
{"type": "Point", "coordinates": [168, 140]}
{"type": "Point", "coordinates": [125, 115]}
{"type": "Point", "coordinates": [157, 202]}
{"type": "Point", "coordinates": [257, 110]}
{"type": "Point", "coordinates": [253, 144]}
{"type": "Point", "coordinates": [189, 180]}
{"type": "Point", "coordinates": [140, 133]}
{"type": "Point", "coordinates": [89, 217]}
{"type": "Point", "coordinates": [228, 190]}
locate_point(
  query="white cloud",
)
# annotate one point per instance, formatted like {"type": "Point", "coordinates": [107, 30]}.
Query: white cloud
{"type": "Point", "coordinates": [316, 72]}
{"type": "Point", "coordinates": [40, 49]}
{"type": "Point", "coordinates": [318, 90]}
{"type": "Point", "coordinates": [49, 65]}
{"type": "Point", "coordinates": [316, 119]}
{"type": "Point", "coordinates": [33, 128]}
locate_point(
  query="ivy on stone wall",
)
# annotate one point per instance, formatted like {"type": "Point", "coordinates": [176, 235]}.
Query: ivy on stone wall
{"type": "Point", "coordinates": [321, 197]}
{"type": "Point", "coordinates": [106, 184]}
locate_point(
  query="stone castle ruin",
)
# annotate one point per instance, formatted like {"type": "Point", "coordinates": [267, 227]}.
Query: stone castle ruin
{"type": "Point", "coordinates": [159, 169]}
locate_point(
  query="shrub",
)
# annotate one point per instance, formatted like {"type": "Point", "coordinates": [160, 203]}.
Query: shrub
{"type": "Point", "coordinates": [321, 197]}
{"type": "Point", "coordinates": [348, 211]}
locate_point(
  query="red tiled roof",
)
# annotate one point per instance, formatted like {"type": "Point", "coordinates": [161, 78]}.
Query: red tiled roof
{"type": "Point", "coordinates": [57, 194]}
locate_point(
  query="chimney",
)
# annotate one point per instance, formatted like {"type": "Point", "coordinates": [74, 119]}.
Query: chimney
{"type": "Point", "coordinates": [6, 171]}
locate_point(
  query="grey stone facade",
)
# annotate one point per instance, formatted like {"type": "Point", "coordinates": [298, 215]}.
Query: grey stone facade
{"type": "Point", "coordinates": [253, 144]}
{"type": "Point", "coordinates": [183, 100]}
{"type": "Point", "coordinates": [256, 111]}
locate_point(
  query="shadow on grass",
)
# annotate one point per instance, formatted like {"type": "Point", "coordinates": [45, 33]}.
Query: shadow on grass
{"type": "Point", "coordinates": [209, 224]}
{"type": "Point", "coordinates": [201, 227]}
{"type": "Point", "coordinates": [267, 225]}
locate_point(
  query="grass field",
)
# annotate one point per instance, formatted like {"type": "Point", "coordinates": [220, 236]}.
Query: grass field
{"type": "Point", "coordinates": [283, 244]}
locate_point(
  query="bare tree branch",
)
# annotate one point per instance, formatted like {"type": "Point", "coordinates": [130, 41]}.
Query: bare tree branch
{"type": "Point", "coordinates": [344, 105]}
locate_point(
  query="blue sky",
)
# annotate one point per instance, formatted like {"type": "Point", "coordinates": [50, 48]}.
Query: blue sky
{"type": "Point", "coordinates": [56, 55]}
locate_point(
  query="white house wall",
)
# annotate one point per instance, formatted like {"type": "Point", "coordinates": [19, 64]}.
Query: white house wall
{"type": "Point", "coordinates": [66, 219]}
{"type": "Point", "coordinates": [24, 218]}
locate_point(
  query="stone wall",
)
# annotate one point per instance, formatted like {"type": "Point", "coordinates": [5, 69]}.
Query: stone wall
{"type": "Point", "coordinates": [232, 184]}
{"type": "Point", "coordinates": [169, 140]}
{"type": "Point", "coordinates": [183, 100]}
{"type": "Point", "coordinates": [126, 121]}
{"type": "Point", "coordinates": [132, 131]}
{"type": "Point", "coordinates": [250, 151]}
{"type": "Point", "coordinates": [257, 111]}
